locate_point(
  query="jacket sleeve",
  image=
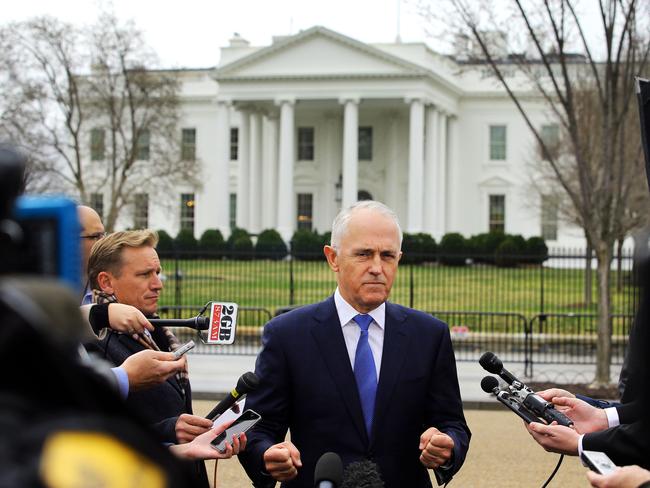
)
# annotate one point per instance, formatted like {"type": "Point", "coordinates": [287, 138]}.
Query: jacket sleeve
{"type": "Point", "coordinates": [624, 444]}
{"type": "Point", "coordinates": [271, 401]}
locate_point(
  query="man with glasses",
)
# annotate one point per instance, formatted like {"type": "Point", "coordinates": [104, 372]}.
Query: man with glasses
{"type": "Point", "coordinates": [92, 230]}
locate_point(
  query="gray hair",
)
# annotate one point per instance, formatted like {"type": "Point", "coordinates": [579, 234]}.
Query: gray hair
{"type": "Point", "coordinates": [341, 221]}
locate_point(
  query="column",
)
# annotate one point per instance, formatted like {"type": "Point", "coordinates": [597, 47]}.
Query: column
{"type": "Point", "coordinates": [243, 171]}
{"type": "Point", "coordinates": [452, 172]}
{"type": "Point", "coordinates": [350, 150]}
{"type": "Point", "coordinates": [441, 193]}
{"type": "Point", "coordinates": [216, 193]}
{"type": "Point", "coordinates": [391, 186]}
{"type": "Point", "coordinates": [416, 150]}
{"type": "Point", "coordinates": [270, 172]}
{"type": "Point", "coordinates": [255, 174]}
{"type": "Point", "coordinates": [430, 189]}
{"type": "Point", "coordinates": [286, 159]}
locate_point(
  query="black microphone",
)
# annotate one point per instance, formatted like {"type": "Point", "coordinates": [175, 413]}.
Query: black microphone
{"type": "Point", "coordinates": [489, 384]}
{"type": "Point", "coordinates": [245, 384]}
{"type": "Point", "coordinates": [329, 471]}
{"type": "Point", "coordinates": [196, 323]}
{"type": "Point", "coordinates": [492, 364]}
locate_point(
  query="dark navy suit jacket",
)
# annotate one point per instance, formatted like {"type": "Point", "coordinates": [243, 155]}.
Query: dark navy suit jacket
{"type": "Point", "coordinates": [307, 385]}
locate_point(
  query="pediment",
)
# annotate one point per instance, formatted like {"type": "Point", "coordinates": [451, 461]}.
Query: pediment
{"type": "Point", "coordinates": [318, 52]}
{"type": "Point", "coordinates": [496, 182]}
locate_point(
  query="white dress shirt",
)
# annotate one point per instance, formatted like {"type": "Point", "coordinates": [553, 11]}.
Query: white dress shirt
{"type": "Point", "coordinates": [352, 331]}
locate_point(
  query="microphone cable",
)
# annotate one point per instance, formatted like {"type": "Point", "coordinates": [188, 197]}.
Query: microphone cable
{"type": "Point", "coordinates": [557, 466]}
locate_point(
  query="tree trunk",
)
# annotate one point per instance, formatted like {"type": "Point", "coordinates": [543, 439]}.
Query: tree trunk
{"type": "Point", "coordinates": [604, 341]}
{"type": "Point", "coordinates": [619, 266]}
{"type": "Point", "coordinates": [588, 277]}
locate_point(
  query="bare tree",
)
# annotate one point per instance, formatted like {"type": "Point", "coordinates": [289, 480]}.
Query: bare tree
{"type": "Point", "coordinates": [589, 90]}
{"type": "Point", "coordinates": [93, 109]}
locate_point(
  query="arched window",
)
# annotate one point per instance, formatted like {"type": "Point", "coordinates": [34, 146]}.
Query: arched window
{"type": "Point", "coordinates": [364, 195]}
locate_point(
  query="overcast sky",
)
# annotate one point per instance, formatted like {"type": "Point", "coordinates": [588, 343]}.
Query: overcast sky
{"type": "Point", "coordinates": [189, 33]}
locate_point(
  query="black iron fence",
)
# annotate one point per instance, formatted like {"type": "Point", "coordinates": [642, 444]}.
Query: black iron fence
{"type": "Point", "coordinates": [526, 313]}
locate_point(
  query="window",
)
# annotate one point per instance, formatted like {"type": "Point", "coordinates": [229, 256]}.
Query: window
{"type": "Point", "coordinates": [97, 145]}
{"type": "Point", "coordinates": [305, 209]}
{"type": "Point", "coordinates": [188, 145]}
{"type": "Point", "coordinates": [187, 211]}
{"type": "Point", "coordinates": [97, 202]}
{"type": "Point", "coordinates": [141, 211]}
{"type": "Point", "coordinates": [143, 146]}
{"type": "Point", "coordinates": [234, 143]}
{"type": "Point", "coordinates": [233, 210]}
{"type": "Point", "coordinates": [549, 217]}
{"type": "Point", "coordinates": [305, 143]}
{"type": "Point", "coordinates": [550, 134]}
{"type": "Point", "coordinates": [497, 142]}
{"type": "Point", "coordinates": [365, 143]}
{"type": "Point", "coordinates": [497, 213]}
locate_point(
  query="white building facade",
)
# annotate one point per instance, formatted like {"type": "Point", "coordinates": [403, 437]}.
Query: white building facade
{"type": "Point", "coordinates": [289, 133]}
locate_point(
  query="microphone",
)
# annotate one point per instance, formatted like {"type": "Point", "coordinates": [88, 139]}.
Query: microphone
{"type": "Point", "coordinates": [196, 323]}
{"type": "Point", "coordinates": [245, 384]}
{"type": "Point", "coordinates": [489, 384]}
{"type": "Point", "coordinates": [217, 328]}
{"type": "Point", "coordinates": [492, 364]}
{"type": "Point", "coordinates": [329, 471]}
{"type": "Point", "coordinates": [520, 393]}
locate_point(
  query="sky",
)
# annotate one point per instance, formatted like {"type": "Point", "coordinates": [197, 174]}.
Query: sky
{"type": "Point", "coordinates": [189, 33]}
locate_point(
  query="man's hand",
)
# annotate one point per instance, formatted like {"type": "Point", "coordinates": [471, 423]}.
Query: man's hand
{"type": "Point", "coordinates": [189, 426]}
{"type": "Point", "coordinates": [436, 448]}
{"type": "Point", "coordinates": [585, 417]}
{"type": "Point", "coordinates": [626, 477]}
{"type": "Point", "coordinates": [555, 438]}
{"type": "Point", "coordinates": [127, 319]}
{"type": "Point", "coordinates": [551, 393]}
{"type": "Point", "coordinates": [150, 368]}
{"type": "Point", "coordinates": [282, 461]}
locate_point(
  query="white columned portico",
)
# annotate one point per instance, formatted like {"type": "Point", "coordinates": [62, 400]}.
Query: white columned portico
{"type": "Point", "coordinates": [430, 171]}
{"type": "Point", "coordinates": [216, 194]}
{"type": "Point", "coordinates": [243, 173]}
{"type": "Point", "coordinates": [255, 174]}
{"type": "Point", "coordinates": [350, 150]}
{"type": "Point", "coordinates": [286, 197]}
{"type": "Point", "coordinates": [270, 172]}
{"type": "Point", "coordinates": [416, 150]}
{"type": "Point", "coordinates": [441, 190]}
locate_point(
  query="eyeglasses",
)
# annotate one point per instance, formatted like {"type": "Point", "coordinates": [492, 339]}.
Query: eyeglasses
{"type": "Point", "coordinates": [94, 237]}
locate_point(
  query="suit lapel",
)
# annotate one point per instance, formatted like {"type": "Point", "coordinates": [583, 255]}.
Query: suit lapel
{"type": "Point", "coordinates": [396, 338]}
{"type": "Point", "coordinates": [327, 332]}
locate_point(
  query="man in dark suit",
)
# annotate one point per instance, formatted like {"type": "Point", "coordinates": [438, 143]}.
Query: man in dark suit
{"type": "Point", "coordinates": [356, 375]}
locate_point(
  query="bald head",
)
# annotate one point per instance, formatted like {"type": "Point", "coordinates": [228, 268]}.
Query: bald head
{"type": "Point", "coordinates": [92, 230]}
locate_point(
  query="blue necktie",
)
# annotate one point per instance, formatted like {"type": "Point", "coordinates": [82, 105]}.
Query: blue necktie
{"type": "Point", "coordinates": [365, 372]}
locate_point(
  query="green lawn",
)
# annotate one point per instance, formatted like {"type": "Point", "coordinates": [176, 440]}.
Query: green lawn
{"type": "Point", "coordinates": [481, 288]}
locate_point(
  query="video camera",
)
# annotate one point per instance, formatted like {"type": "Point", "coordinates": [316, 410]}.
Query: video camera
{"type": "Point", "coordinates": [517, 396]}
{"type": "Point", "coordinates": [38, 235]}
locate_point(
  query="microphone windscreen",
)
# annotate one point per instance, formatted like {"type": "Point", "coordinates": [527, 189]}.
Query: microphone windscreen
{"type": "Point", "coordinates": [491, 363]}
{"type": "Point", "coordinates": [247, 383]}
{"type": "Point", "coordinates": [489, 383]}
{"type": "Point", "coordinates": [329, 468]}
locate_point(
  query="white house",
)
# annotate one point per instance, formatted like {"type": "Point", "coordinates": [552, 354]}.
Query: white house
{"type": "Point", "coordinates": [290, 132]}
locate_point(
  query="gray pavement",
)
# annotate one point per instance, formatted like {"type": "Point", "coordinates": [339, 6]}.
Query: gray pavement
{"type": "Point", "coordinates": [212, 376]}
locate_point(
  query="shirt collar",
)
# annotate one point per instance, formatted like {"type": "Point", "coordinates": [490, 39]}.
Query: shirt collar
{"type": "Point", "coordinates": [347, 312]}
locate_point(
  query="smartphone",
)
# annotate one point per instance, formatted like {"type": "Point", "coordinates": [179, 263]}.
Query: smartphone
{"type": "Point", "coordinates": [183, 349]}
{"type": "Point", "coordinates": [243, 423]}
{"type": "Point", "coordinates": [598, 461]}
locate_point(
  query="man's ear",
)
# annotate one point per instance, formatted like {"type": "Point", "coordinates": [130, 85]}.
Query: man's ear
{"type": "Point", "coordinates": [332, 257]}
{"type": "Point", "coordinates": [105, 282]}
